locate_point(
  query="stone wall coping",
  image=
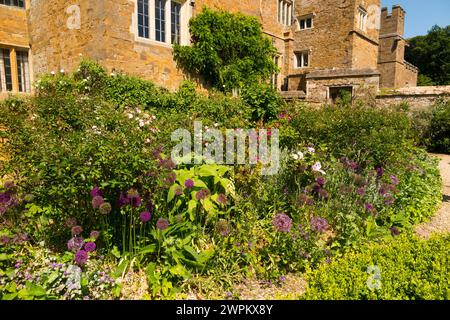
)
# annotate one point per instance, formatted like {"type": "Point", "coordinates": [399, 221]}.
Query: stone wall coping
{"type": "Point", "coordinates": [417, 92]}
{"type": "Point", "coordinates": [342, 73]}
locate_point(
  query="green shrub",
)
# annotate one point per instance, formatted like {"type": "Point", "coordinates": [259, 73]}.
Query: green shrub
{"type": "Point", "coordinates": [227, 61]}
{"type": "Point", "coordinates": [439, 130]}
{"type": "Point", "coordinates": [359, 133]}
{"type": "Point", "coordinates": [263, 100]}
{"type": "Point", "coordinates": [410, 269]}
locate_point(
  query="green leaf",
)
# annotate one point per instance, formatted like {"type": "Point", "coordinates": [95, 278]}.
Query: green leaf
{"type": "Point", "coordinates": [35, 290]}
{"type": "Point", "coordinates": [148, 249]}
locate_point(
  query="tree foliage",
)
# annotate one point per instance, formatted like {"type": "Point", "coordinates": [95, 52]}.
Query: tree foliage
{"type": "Point", "coordinates": [227, 51]}
{"type": "Point", "coordinates": [431, 54]}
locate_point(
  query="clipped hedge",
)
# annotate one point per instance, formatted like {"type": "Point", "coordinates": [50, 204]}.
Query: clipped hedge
{"type": "Point", "coordinates": [410, 269]}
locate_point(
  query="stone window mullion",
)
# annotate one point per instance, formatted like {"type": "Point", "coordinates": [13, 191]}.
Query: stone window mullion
{"type": "Point", "coordinates": [152, 28]}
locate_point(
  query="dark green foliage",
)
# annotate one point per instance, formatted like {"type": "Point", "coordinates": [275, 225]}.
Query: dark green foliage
{"type": "Point", "coordinates": [263, 100]}
{"type": "Point", "coordinates": [228, 50]}
{"type": "Point", "coordinates": [431, 54]}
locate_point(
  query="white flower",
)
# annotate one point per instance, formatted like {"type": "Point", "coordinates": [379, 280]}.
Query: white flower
{"type": "Point", "coordinates": [53, 73]}
{"type": "Point", "coordinates": [138, 111]}
{"type": "Point", "coordinates": [141, 123]}
{"type": "Point", "coordinates": [317, 167]}
{"type": "Point", "coordinates": [62, 71]}
{"type": "Point", "coordinates": [311, 150]}
{"type": "Point", "coordinates": [130, 116]}
{"type": "Point", "coordinates": [153, 117]}
{"type": "Point", "coordinates": [295, 156]}
{"type": "Point", "coordinates": [300, 155]}
{"type": "Point", "coordinates": [216, 124]}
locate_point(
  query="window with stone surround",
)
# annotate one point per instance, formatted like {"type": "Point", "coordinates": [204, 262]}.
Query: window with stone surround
{"type": "Point", "coordinates": [14, 70]}
{"type": "Point", "coordinates": [13, 3]}
{"type": "Point", "coordinates": [305, 22]}
{"type": "Point", "coordinates": [285, 12]}
{"type": "Point", "coordinates": [163, 21]}
{"type": "Point", "coordinates": [302, 59]}
{"type": "Point", "coordinates": [362, 18]}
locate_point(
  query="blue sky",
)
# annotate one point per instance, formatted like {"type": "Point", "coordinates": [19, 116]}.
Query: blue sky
{"type": "Point", "coordinates": [422, 15]}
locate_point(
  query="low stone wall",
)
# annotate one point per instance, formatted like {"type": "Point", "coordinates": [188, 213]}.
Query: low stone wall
{"type": "Point", "coordinates": [418, 98]}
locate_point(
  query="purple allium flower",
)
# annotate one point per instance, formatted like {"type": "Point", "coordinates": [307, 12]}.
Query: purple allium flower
{"type": "Point", "coordinates": [380, 172]}
{"type": "Point", "coordinates": [162, 224]}
{"type": "Point", "coordinates": [323, 194]}
{"type": "Point", "coordinates": [94, 234]}
{"type": "Point", "coordinates": [394, 180]}
{"type": "Point", "coordinates": [105, 208]}
{"type": "Point", "coordinates": [321, 181]}
{"type": "Point", "coordinates": [304, 199]}
{"type": "Point", "coordinates": [361, 191]}
{"type": "Point", "coordinates": [189, 183]}
{"type": "Point", "coordinates": [4, 240]}
{"type": "Point", "coordinates": [9, 185]}
{"type": "Point", "coordinates": [150, 206]}
{"type": "Point", "coordinates": [18, 264]}
{"type": "Point", "coordinates": [389, 199]}
{"type": "Point", "coordinates": [81, 257]}
{"type": "Point", "coordinates": [77, 230]}
{"type": "Point", "coordinates": [178, 191]}
{"type": "Point", "coordinates": [222, 199]}
{"type": "Point", "coordinates": [90, 246]}
{"type": "Point", "coordinates": [282, 222]}
{"type": "Point", "coordinates": [5, 198]}
{"type": "Point", "coordinates": [70, 222]}
{"type": "Point", "coordinates": [237, 244]}
{"type": "Point", "coordinates": [394, 231]}
{"type": "Point", "coordinates": [171, 178]}
{"type": "Point", "coordinates": [202, 194]}
{"type": "Point", "coordinates": [283, 278]}
{"type": "Point", "coordinates": [75, 244]}
{"type": "Point", "coordinates": [97, 201]}
{"type": "Point", "coordinates": [135, 198]}
{"type": "Point", "coordinates": [369, 207]}
{"type": "Point", "coordinates": [319, 224]}
{"type": "Point", "coordinates": [229, 294]}
{"type": "Point", "coordinates": [145, 216]}
{"type": "Point", "coordinates": [316, 187]}
{"type": "Point", "coordinates": [123, 200]}
{"type": "Point", "coordinates": [97, 192]}
{"type": "Point", "coordinates": [223, 228]}
{"type": "Point", "coordinates": [2, 210]}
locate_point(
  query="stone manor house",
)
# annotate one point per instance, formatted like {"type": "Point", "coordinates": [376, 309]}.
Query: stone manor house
{"type": "Point", "coordinates": [324, 46]}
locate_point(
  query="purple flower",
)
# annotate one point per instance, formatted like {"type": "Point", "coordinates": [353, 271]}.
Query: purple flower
{"type": "Point", "coordinates": [97, 192]}
{"type": "Point", "coordinates": [81, 257]}
{"type": "Point", "coordinates": [389, 199]}
{"type": "Point", "coordinates": [323, 194]}
{"type": "Point", "coordinates": [222, 199]}
{"type": "Point", "coordinates": [9, 185]}
{"type": "Point", "coordinates": [282, 222]}
{"type": "Point", "coordinates": [105, 208]}
{"type": "Point", "coordinates": [70, 222]}
{"type": "Point", "coordinates": [319, 224]}
{"type": "Point", "coordinates": [321, 181]}
{"type": "Point", "coordinates": [202, 194]}
{"type": "Point", "coordinates": [361, 191]}
{"type": "Point", "coordinates": [304, 199]}
{"type": "Point", "coordinates": [2, 210]}
{"type": "Point", "coordinates": [380, 172]}
{"type": "Point", "coordinates": [5, 198]}
{"type": "Point", "coordinates": [123, 200]}
{"type": "Point", "coordinates": [4, 240]}
{"type": "Point", "coordinates": [394, 180]}
{"type": "Point", "coordinates": [223, 228]}
{"type": "Point", "coordinates": [178, 191]}
{"type": "Point", "coordinates": [94, 234]}
{"type": "Point", "coordinates": [394, 231]}
{"type": "Point", "coordinates": [369, 207]}
{"type": "Point", "coordinates": [282, 278]}
{"type": "Point", "coordinates": [189, 183]}
{"type": "Point", "coordinates": [75, 244]}
{"type": "Point", "coordinates": [77, 230]}
{"type": "Point", "coordinates": [97, 201]}
{"type": "Point", "coordinates": [90, 246]}
{"type": "Point", "coordinates": [145, 216]}
{"type": "Point", "coordinates": [134, 197]}
{"type": "Point", "coordinates": [171, 178]}
{"type": "Point", "coordinates": [150, 206]}
{"type": "Point", "coordinates": [162, 224]}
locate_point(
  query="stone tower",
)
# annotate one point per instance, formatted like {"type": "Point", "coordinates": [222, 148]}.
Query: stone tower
{"type": "Point", "coordinates": [395, 71]}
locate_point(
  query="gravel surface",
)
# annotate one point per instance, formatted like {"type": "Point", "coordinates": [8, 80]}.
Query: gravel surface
{"type": "Point", "coordinates": [440, 223]}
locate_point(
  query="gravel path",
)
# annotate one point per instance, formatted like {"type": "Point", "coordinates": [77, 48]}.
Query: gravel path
{"type": "Point", "coordinates": [440, 223]}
